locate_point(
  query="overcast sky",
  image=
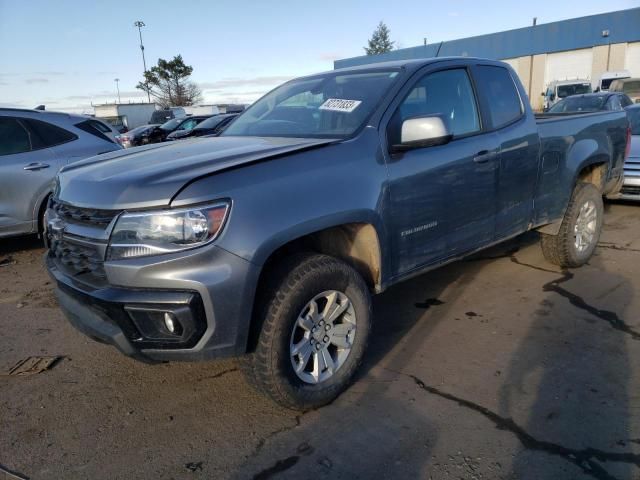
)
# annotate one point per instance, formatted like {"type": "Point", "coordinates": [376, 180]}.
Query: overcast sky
{"type": "Point", "coordinates": [66, 54]}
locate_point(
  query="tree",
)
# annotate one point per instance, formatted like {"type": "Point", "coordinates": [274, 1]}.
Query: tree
{"type": "Point", "coordinates": [168, 83]}
{"type": "Point", "coordinates": [380, 41]}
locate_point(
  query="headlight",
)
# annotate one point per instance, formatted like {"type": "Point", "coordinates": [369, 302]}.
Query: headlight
{"type": "Point", "coordinates": [152, 233]}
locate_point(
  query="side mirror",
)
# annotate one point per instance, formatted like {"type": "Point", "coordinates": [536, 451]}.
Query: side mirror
{"type": "Point", "coordinates": [542, 94]}
{"type": "Point", "coordinates": [422, 132]}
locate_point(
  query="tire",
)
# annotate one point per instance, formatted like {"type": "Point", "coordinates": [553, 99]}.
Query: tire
{"type": "Point", "coordinates": [563, 249]}
{"type": "Point", "coordinates": [290, 292]}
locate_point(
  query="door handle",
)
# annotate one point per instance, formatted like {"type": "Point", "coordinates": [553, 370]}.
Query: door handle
{"type": "Point", "coordinates": [483, 156]}
{"type": "Point", "coordinates": [36, 166]}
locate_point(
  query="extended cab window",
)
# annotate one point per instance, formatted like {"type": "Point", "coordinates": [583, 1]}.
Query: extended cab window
{"type": "Point", "coordinates": [447, 93]}
{"type": "Point", "coordinates": [95, 128]}
{"type": "Point", "coordinates": [500, 90]}
{"type": "Point", "coordinates": [47, 135]}
{"type": "Point", "coordinates": [13, 137]}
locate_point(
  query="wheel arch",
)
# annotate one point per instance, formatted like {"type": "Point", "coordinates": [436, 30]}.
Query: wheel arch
{"type": "Point", "coordinates": [39, 208]}
{"type": "Point", "coordinates": [357, 243]}
{"type": "Point", "coordinates": [594, 170]}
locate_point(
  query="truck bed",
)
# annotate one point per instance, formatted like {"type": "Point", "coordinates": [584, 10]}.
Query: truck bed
{"type": "Point", "coordinates": [566, 139]}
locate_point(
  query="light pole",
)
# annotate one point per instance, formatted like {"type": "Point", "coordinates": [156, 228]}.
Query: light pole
{"type": "Point", "coordinates": [117, 88]}
{"type": "Point", "coordinates": [140, 24]}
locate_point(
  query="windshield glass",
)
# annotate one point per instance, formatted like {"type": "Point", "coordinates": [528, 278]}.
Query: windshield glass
{"type": "Point", "coordinates": [605, 83]}
{"type": "Point", "coordinates": [579, 104]}
{"type": "Point", "coordinates": [333, 105]}
{"type": "Point", "coordinates": [631, 88]}
{"type": "Point", "coordinates": [211, 122]}
{"type": "Point", "coordinates": [171, 124]}
{"type": "Point", "coordinates": [634, 120]}
{"type": "Point", "coordinates": [575, 89]}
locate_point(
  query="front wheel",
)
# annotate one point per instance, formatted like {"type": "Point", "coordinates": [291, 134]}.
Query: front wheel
{"type": "Point", "coordinates": [315, 327]}
{"type": "Point", "coordinates": [580, 229]}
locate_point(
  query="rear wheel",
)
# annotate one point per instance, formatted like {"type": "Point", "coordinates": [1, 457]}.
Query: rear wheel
{"type": "Point", "coordinates": [580, 229]}
{"type": "Point", "coordinates": [315, 326]}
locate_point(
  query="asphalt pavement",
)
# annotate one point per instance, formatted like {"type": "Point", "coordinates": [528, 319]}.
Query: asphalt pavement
{"type": "Point", "coordinates": [501, 366]}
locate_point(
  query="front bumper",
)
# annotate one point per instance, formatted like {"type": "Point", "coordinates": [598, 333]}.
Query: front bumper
{"type": "Point", "coordinates": [209, 291]}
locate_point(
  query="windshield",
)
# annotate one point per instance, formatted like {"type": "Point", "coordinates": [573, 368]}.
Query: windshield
{"type": "Point", "coordinates": [211, 122]}
{"type": "Point", "coordinates": [575, 89]}
{"type": "Point", "coordinates": [634, 120]}
{"type": "Point", "coordinates": [605, 83]}
{"type": "Point", "coordinates": [171, 124]}
{"type": "Point", "coordinates": [579, 104]}
{"type": "Point", "coordinates": [326, 106]}
{"type": "Point", "coordinates": [631, 88]}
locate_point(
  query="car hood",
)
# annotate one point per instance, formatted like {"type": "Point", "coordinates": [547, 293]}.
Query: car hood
{"type": "Point", "coordinates": [152, 175]}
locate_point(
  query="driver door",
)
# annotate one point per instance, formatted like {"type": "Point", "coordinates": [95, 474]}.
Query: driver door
{"type": "Point", "coordinates": [443, 198]}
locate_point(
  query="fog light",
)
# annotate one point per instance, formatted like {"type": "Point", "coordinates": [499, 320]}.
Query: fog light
{"type": "Point", "coordinates": [170, 322]}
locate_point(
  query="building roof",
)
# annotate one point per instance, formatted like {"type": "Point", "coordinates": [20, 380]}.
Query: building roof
{"type": "Point", "coordinates": [129, 104]}
{"type": "Point", "coordinates": [573, 34]}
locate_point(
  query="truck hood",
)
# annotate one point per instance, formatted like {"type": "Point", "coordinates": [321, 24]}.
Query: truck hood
{"type": "Point", "coordinates": [152, 175]}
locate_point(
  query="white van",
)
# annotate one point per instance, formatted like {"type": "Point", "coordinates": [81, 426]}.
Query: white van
{"type": "Point", "coordinates": [608, 77]}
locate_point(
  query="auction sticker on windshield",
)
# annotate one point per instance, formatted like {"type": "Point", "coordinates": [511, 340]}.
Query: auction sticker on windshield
{"type": "Point", "coordinates": [340, 105]}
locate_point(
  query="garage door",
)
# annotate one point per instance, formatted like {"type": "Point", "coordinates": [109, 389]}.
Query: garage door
{"type": "Point", "coordinates": [632, 60]}
{"type": "Point", "coordinates": [568, 65]}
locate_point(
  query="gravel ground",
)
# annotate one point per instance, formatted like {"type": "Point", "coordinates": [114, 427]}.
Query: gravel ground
{"type": "Point", "coordinates": [500, 366]}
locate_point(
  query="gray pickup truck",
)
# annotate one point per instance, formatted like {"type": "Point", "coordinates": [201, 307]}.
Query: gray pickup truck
{"type": "Point", "coordinates": [267, 242]}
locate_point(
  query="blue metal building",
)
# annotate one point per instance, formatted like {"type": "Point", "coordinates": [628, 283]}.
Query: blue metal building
{"type": "Point", "coordinates": [579, 48]}
{"type": "Point", "coordinates": [577, 33]}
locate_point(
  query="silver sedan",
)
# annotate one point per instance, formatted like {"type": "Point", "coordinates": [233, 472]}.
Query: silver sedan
{"type": "Point", "coordinates": [34, 145]}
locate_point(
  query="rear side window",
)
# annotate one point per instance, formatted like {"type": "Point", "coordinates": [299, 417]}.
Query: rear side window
{"type": "Point", "coordinates": [613, 103]}
{"type": "Point", "coordinates": [503, 99]}
{"type": "Point", "coordinates": [14, 138]}
{"type": "Point", "coordinates": [99, 126]}
{"type": "Point", "coordinates": [625, 101]}
{"type": "Point", "coordinates": [46, 134]}
{"type": "Point", "coordinates": [95, 128]}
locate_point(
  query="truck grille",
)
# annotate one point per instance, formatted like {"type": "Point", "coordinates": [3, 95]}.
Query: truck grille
{"type": "Point", "coordinates": [87, 216]}
{"type": "Point", "coordinates": [77, 241]}
{"type": "Point", "coordinates": [76, 259]}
